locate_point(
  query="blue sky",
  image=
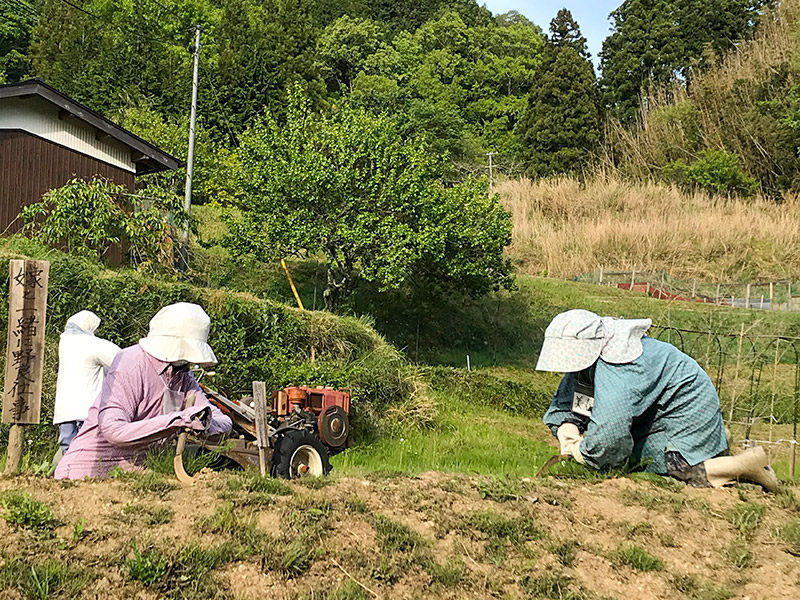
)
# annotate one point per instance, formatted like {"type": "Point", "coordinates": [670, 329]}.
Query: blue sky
{"type": "Point", "coordinates": [591, 15]}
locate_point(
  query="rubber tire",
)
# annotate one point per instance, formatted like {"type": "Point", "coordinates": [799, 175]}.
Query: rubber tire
{"type": "Point", "coordinates": [286, 446]}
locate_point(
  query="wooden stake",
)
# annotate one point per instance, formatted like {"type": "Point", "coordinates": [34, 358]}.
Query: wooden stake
{"type": "Point", "coordinates": [633, 277]}
{"type": "Point", "coordinates": [716, 297]}
{"type": "Point", "coordinates": [694, 288]}
{"type": "Point", "coordinates": [747, 297]}
{"type": "Point", "coordinates": [601, 276]}
{"type": "Point", "coordinates": [262, 441]}
{"type": "Point", "coordinates": [16, 442]}
{"type": "Point", "coordinates": [770, 296]}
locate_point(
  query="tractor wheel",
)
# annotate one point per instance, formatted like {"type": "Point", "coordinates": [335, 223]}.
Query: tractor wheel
{"type": "Point", "coordinates": [299, 454]}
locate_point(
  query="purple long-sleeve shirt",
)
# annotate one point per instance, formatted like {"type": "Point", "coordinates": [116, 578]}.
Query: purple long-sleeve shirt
{"type": "Point", "coordinates": [126, 420]}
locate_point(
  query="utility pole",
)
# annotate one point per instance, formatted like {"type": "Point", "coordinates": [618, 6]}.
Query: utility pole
{"type": "Point", "coordinates": [491, 178]}
{"type": "Point", "coordinates": [187, 201]}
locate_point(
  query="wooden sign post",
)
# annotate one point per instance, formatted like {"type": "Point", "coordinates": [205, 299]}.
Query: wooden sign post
{"type": "Point", "coordinates": [262, 431]}
{"type": "Point", "coordinates": [27, 310]}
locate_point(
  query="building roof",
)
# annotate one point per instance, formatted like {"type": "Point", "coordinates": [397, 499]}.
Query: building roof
{"type": "Point", "coordinates": [147, 157]}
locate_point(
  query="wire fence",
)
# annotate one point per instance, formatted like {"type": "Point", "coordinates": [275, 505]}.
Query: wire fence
{"type": "Point", "coordinates": [758, 381]}
{"type": "Point", "coordinates": [770, 295]}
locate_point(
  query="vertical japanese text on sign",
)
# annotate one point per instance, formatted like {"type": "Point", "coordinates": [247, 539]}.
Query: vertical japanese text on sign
{"type": "Point", "coordinates": [27, 306]}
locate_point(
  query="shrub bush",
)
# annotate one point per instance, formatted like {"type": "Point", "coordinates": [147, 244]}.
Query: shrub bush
{"type": "Point", "coordinates": [715, 171]}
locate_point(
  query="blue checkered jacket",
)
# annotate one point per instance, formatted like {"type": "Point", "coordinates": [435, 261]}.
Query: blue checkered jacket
{"type": "Point", "coordinates": [662, 401]}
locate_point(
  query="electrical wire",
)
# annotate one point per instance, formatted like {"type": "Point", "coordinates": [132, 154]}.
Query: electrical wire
{"type": "Point", "coordinates": [27, 7]}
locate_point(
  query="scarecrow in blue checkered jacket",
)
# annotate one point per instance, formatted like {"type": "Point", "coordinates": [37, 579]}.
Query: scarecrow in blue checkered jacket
{"type": "Point", "coordinates": [627, 397]}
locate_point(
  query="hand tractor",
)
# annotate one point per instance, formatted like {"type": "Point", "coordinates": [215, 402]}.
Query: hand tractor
{"type": "Point", "coordinates": [305, 425]}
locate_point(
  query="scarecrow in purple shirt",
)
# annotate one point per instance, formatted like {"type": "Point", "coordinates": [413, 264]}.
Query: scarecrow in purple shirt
{"type": "Point", "coordinates": [143, 401]}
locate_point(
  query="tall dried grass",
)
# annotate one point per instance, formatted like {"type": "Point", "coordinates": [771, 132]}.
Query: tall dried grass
{"type": "Point", "coordinates": [563, 227]}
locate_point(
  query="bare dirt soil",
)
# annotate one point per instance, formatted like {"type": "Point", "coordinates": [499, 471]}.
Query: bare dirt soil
{"type": "Point", "coordinates": [386, 536]}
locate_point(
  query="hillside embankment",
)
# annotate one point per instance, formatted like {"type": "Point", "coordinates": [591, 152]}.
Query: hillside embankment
{"type": "Point", "coordinates": [388, 536]}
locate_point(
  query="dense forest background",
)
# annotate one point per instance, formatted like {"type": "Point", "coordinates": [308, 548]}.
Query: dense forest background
{"type": "Point", "coordinates": [452, 74]}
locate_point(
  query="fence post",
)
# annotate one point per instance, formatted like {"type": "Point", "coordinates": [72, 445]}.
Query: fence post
{"type": "Point", "coordinates": [771, 307]}
{"type": "Point", "coordinates": [633, 276]}
{"type": "Point", "coordinates": [774, 393]}
{"type": "Point", "coordinates": [694, 288]}
{"type": "Point", "coordinates": [716, 297]}
{"type": "Point", "coordinates": [762, 301]}
{"type": "Point", "coordinates": [736, 374]}
{"type": "Point", "coordinates": [747, 297]}
{"type": "Point", "coordinates": [601, 276]}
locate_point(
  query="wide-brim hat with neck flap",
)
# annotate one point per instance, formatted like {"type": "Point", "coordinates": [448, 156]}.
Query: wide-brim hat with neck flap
{"type": "Point", "coordinates": [575, 339]}
{"type": "Point", "coordinates": [179, 332]}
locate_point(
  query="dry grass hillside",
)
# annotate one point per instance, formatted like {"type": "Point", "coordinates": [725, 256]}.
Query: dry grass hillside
{"type": "Point", "coordinates": [563, 228]}
{"type": "Point", "coordinates": [236, 536]}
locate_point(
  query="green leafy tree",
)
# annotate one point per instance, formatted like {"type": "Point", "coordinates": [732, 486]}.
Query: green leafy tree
{"type": "Point", "coordinates": [171, 133]}
{"type": "Point", "coordinates": [17, 22]}
{"type": "Point", "coordinates": [657, 41]}
{"type": "Point", "coordinates": [88, 218]}
{"type": "Point", "coordinates": [264, 46]}
{"type": "Point", "coordinates": [132, 51]}
{"type": "Point", "coordinates": [561, 126]}
{"type": "Point", "coordinates": [344, 47]}
{"type": "Point", "coordinates": [347, 186]}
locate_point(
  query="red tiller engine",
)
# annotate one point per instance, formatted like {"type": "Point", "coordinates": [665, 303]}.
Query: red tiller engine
{"type": "Point", "coordinates": [329, 407]}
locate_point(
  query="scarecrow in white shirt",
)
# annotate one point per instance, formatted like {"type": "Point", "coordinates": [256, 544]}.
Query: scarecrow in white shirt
{"type": "Point", "coordinates": [83, 360]}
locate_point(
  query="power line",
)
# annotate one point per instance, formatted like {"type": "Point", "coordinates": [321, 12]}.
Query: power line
{"type": "Point", "coordinates": [22, 5]}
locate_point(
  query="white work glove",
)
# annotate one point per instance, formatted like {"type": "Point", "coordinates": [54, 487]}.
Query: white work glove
{"type": "Point", "coordinates": [570, 438]}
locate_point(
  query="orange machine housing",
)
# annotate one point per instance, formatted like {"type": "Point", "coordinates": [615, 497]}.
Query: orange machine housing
{"type": "Point", "coordinates": [310, 399]}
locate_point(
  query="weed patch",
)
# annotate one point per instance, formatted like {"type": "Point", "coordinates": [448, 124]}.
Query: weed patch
{"type": "Point", "coordinates": [746, 517]}
{"type": "Point", "coordinates": [313, 483]}
{"type": "Point", "coordinates": [251, 482]}
{"type": "Point", "coordinates": [564, 551]}
{"type": "Point", "coordinates": [636, 557]}
{"type": "Point", "coordinates": [186, 574]}
{"type": "Point", "coordinates": [695, 589]}
{"type": "Point", "coordinates": [790, 533]}
{"type": "Point", "coordinates": [632, 530]}
{"type": "Point", "coordinates": [20, 509]}
{"type": "Point", "coordinates": [355, 506]}
{"type": "Point", "coordinates": [501, 531]}
{"type": "Point", "coordinates": [501, 489]}
{"type": "Point", "coordinates": [45, 580]}
{"type": "Point", "coordinates": [449, 574]}
{"type": "Point", "coordinates": [659, 498]}
{"type": "Point", "coordinates": [151, 482]}
{"type": "Point", "coordinates": [554, 586]}
{"type": "Point", "coordinates": [309, 516]}
{"type": "Point", "coordinates": [159, 515]}
{"type": "Point", "coordinates": [79, 530]}
{"type": "Point", "coordinates": [785, 498]}
{"type": "Point", "coordinates": [347, 591]}
{"type": "Point", "coordinates": [738, 553]}
{"type": "Point", "coordinates": [395, 537]}
{"type": "Point", "coordinates": [148, 566]}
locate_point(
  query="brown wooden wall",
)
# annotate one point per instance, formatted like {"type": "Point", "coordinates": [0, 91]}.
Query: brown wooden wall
{"type": "Point", "coordinates": [31, 166]}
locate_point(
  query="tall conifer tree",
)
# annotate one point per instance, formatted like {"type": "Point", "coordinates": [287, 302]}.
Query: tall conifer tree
{"type": "Point", "coordinates": [561, 126]}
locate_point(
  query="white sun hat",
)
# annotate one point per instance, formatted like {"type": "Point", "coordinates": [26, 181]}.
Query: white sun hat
{"type": "Point", "coordinates": [575, 339]}
{"type": "Point", "coordinates": [84, 321]}
{"type": "Point", "coordinates": [180, 332]}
